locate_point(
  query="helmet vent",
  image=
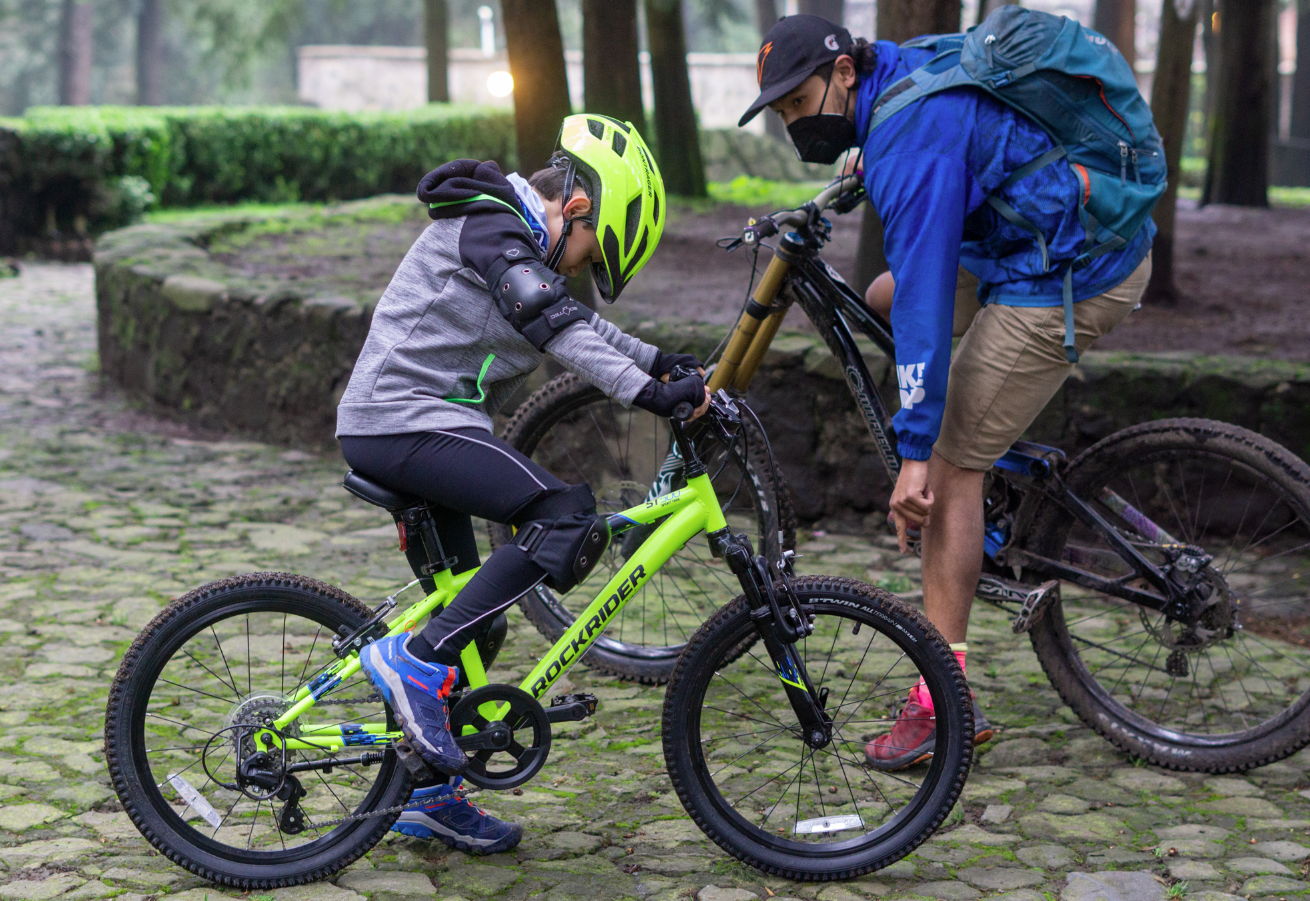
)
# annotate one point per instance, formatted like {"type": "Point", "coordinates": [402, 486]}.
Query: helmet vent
{"type": "Point", "coordinates": [620, 143]}
{"type": "Point", "coordinates": [633, 222]}
{"type": "Point", "coordinates": [597, 128]}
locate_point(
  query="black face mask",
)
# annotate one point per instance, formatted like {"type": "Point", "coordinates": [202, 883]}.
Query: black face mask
{"type": "Point", "coordinates": [823, 137]}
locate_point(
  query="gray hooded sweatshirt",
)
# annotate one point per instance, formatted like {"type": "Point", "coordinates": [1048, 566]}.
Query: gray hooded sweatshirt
{"type": "Point", "coordinates": [439, 353]}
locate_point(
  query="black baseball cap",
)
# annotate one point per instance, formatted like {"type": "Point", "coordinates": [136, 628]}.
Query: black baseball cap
{"type": "Point", "coordinates": [789, 54]}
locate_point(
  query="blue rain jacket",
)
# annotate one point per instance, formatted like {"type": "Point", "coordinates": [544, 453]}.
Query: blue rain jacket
{"type": "Point", "coordinates": [928, 170]}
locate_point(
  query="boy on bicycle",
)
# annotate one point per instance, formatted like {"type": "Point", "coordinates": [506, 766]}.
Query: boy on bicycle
{"type": "Point", "coordinates": [474, 307]}
{"type": "Point", "coordinates": [958, 268]}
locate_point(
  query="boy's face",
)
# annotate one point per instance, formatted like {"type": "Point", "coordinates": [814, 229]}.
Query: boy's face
{"type": "Point", "coordinates": [582, 249]}
{"type": "Point", "coordinates": [806, 97]}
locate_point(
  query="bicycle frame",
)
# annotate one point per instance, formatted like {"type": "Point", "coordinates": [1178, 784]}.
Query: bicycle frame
{"type": "Point", "coordinates": [798, 274]}
{"type": "Point", "coordinates": [686, 513]}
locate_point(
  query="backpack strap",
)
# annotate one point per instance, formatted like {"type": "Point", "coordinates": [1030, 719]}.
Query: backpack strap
{"type": "Point", "coordinates": [1011, 214]}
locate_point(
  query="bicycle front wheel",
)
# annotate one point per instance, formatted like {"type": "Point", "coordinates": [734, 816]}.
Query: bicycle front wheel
{"type": "Point", "coordinates": [734, 749]}
{"type": "Point", "coordinates": [1228, 688]}
{"type": "Point", "coordinates": [213, 665]}
{"type": "Point", "coordinates": [579, 434]}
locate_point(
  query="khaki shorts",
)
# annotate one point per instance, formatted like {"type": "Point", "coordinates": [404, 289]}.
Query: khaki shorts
{"type": "Point", "coordinates": [1011, 362]}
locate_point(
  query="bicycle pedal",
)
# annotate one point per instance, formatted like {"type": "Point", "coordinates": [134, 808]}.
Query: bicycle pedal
{"type": "Point", "coordinates": [571, 708]}
{"type": "Point", "coordinates": [1034, 606]}
{"type": "Point", "coordinates": [417, 766]}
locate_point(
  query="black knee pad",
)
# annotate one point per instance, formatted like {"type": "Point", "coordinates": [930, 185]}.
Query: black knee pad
{"type": "Point", "coordinates": [564, 535]}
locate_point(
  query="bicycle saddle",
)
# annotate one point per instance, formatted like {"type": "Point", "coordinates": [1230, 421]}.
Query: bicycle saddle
{"type": "Point", "coordinates": [366, 489]}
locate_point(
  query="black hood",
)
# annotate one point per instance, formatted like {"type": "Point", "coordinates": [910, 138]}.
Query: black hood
{"type": "Point", "coordinates": [460, 181]}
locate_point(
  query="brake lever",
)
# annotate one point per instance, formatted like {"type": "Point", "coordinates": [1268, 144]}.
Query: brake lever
{"type": "Point", "coordinates": [729, 243]}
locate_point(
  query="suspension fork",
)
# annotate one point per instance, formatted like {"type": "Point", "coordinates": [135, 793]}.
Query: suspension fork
{"type": "Point", "coordinates": [780, 627]}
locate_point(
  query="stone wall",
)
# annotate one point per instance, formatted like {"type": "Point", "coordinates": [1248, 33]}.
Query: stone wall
{"type": "Point", "coordinates": [179, 335]}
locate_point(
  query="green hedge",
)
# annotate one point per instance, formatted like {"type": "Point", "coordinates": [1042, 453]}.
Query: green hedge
{"type": "Point", "coordinates": [94, 168]}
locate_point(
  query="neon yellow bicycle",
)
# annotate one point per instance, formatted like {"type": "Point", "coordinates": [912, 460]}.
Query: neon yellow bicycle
{"type": "Point", "coordinates": [247, 746]}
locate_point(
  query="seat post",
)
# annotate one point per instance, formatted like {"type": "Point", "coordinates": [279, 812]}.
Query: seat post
{"type": "Point", "coordinates": [426, 556]}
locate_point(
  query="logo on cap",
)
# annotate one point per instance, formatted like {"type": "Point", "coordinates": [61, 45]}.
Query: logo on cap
{"type": "Point", "coordinates": [830, 42]}
{"type": "Point", "coordinates": [759, 66]}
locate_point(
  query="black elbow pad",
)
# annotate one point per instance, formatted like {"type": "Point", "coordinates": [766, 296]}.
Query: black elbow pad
{"type": "Point", "coordinates": [532, 298]}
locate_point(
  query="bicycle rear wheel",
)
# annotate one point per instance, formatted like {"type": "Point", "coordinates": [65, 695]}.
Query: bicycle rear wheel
{"type": "Point", "coordinates": [733, 748]}
{"type": "Point", "coordinates": [579, 434]}
{"type": "Point", "coordinates": [1230, 690]}
{"type": "Point", "coordinates": [225, 657]}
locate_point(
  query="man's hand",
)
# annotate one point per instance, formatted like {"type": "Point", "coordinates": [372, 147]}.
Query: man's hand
{"type": "Point", "coordinates": [911, 500]}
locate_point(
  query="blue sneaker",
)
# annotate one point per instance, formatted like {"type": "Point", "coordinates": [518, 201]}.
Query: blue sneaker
{"type": "Point", "coordinates": [417, 692]}
{"type": "Point", "coordinates": [456, 822]}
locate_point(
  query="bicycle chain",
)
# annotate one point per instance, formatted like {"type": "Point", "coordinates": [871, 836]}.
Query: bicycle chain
{"type": "Point", "coordinates": [350, 818]}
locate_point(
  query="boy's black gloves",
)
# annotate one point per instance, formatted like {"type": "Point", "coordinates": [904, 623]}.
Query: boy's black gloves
{"type": "Point", "coordinates": [664, 363]}
{"type": "Point", "coordinates": [660, 398]}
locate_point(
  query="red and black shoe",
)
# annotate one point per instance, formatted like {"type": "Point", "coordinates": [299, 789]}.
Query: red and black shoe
{"type": "Point", "coordinates": [914, 738]}
{"type": "Point", "coordinates": [911, 741]}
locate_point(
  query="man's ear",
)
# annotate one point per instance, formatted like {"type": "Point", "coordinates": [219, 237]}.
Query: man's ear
{"type": "Point", "coordinates": [844, 66]}
{"type": "Point", "coordinates": [580, 205]}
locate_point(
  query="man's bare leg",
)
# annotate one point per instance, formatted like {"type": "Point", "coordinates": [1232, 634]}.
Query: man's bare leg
{"type": "Point", "coordinates": [952, 547]}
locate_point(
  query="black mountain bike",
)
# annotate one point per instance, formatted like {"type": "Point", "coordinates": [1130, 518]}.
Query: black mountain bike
{"type": "Point", "coordinates": [1161, 574]}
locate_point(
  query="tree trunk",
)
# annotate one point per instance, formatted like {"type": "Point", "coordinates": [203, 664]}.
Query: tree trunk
{"type": "Point", "coordinates": [541, 84]}
{"type": "Point", "coordinates": [987, 7]}
{"type": "Point", "coordinates": [1301, 80]}
{"type": "Point", "coordinates": [826, 9]}
{"type": "Point", "coordinates": [150, 53]}
{"type": "Point", "coordinates": [611, 75]}
{"type": "Point", "coordinates": [898, 20]}
{"type": "Point", "coordinates": [1117, 20]}
{"type": "Point", "coordinates": [766, 15]}
{"type": "Point", "coordinates": [1170, 102]}
{"type": "Point", "coordinates": [1238, 168]}
{"type": "Point", "coordinates": [436, 37]}
{"type": "Point", "coordinates": [677, 141]}
{"type": "Point", "coordinates": [75, 53]}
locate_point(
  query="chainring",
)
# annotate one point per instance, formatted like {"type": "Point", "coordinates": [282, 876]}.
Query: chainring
{"type": "Point", "coordinates": [529, 743]}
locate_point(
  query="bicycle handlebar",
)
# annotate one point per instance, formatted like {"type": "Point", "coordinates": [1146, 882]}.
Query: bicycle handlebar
{"type": "Point", "coordinates": [799, 216]}
{"type": "Point", "coordinates": [768, 226]}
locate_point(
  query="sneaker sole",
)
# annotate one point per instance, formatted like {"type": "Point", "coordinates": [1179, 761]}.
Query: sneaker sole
{"type": "Point", "coordinates": [983, 736]}
{"type": "Point", "coordinates": [888, 766]}
{"type": "Point", "coordinates": [445, 768]}
{"type": "Point", "coordinates": [414, 830]}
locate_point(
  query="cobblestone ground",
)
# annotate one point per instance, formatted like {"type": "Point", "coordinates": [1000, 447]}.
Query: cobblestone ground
{"type": "Point", "coordinates": [105, 514]}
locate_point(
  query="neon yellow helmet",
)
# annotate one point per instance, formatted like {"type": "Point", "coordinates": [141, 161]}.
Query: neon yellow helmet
{"type": "Point", "coordinates": [627, 195]}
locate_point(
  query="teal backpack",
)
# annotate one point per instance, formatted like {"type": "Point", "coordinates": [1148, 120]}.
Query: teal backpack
{"type": "Point", "coordinates": [1077, 86]}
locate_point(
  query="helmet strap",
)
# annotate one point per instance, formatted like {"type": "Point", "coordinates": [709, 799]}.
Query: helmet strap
{"type": "Point", "coordinates": [566, 195]}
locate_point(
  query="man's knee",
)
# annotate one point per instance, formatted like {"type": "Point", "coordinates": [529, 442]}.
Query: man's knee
{"type": "Point", "coordinates": [878, 297]}
{"type": "Point", "coordinates": [945, 477]}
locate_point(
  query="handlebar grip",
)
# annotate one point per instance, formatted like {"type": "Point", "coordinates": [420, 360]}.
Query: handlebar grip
{"type": "Point", "coordinates": [682, 412]}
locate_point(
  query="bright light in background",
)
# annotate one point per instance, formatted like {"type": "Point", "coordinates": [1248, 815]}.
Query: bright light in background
{"type": "Point", "coordinates": [500, 84]}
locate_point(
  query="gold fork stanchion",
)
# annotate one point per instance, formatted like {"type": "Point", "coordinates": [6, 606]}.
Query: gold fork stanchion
{"type": "Point", "coordinates": [748, 342]}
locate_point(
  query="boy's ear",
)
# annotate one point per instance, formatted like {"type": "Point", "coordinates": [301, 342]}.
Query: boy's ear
{"type": "Point", "coordinates": [580, 205]}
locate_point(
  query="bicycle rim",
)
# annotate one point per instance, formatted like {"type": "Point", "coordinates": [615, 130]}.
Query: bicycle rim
{"type": "Point", "coordinates": [1242, 672]}
{"type": "Point", "coordinates": [797, 811]}
{"type": "Point", "coordinates": [231, 669]}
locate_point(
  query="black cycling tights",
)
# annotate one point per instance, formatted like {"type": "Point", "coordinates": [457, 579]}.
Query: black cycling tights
{"type": "Point", "coordinates": [465, 472]}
